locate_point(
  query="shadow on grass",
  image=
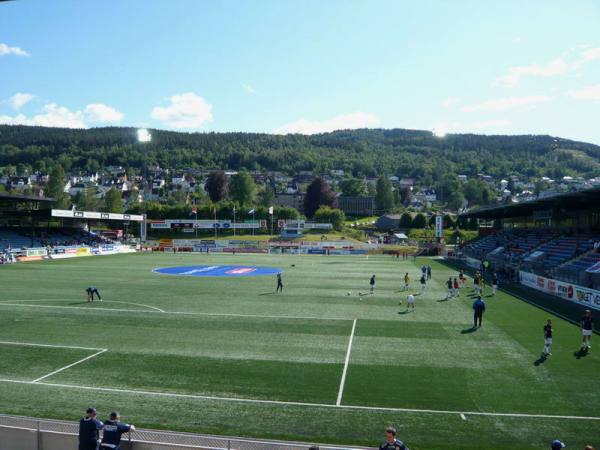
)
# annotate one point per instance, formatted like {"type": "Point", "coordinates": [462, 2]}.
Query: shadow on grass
{"type": "Point", "coordinates": [406, 311]}
{"type": "Point", "coordinates": [541, 360]}
{"type": "Point", "coordinates": [469, 330]}
{"type": "Point", "coordinates": [82, 302]}
{"type": "Point", "coordinates": [445, 299]}
{"type": "Point", "coordinates": [581, 353]}
{"type": "Point", "coordinates": [266, 293]}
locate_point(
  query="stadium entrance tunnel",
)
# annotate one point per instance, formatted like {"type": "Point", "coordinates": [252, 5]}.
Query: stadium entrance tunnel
{"type": "Point", "coordinates": [218, 271]}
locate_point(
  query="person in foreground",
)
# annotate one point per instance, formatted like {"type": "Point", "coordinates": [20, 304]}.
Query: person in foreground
{"type": "Point", "coordinates": [391, 443]}
{"type": "Point", "coordinates": [113, 430]}
{"type": "Point", "coordinates": [89, 430]}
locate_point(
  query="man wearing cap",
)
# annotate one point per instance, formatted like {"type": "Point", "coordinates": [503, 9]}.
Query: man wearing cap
{"type": "Point", "coordinates": [391, 443]}
{"type": "Point", "coordinates": [113, 429]}
{"type": "Point", "coordinates": [557, 445]}
{"type": "Point", "coordinates": [89, 431]}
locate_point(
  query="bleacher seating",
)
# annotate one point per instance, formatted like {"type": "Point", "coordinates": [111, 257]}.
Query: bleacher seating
{"type": "Point", "coordinates": [17, 238]}
{"type": "Point", "coordinates": [10, 239]}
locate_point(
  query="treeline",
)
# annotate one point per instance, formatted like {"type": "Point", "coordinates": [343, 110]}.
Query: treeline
{"type": "Point", "coordinates": [360, 153]}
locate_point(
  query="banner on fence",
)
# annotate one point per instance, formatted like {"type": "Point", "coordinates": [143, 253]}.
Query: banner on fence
{"type": "Point", "coordinates": [567, 291]}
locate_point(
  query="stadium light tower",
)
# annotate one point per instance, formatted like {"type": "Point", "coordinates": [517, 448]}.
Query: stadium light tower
{"type": "Point", "coordinates": [143, 137]}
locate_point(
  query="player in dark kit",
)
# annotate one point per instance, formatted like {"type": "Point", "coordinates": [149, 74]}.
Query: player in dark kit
{"type": "Point", "coordinates": [478, 310]}
{"type": "Point", "coordinates": [372, 284]}
{"type": "Point", "coordinates": [113, 430]}
{"type": "Point", "coordinates": [89, 431]}
{"type": "Point", "coordinates": [90, 293]}
{"type": "Point", "coordinates": [391, 443]}
{"type": "Point", "coordinates": [587, 327]}
{"type": "Point", "coordinates": [547, 338]}
{"type": "Point", "coordinates": [279, 284]}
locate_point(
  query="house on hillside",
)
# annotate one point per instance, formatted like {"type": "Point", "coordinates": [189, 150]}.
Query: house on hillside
{"type": "Point", "coordinates": [388, 222]}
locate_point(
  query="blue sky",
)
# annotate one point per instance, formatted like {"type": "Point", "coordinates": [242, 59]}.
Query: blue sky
{"type": "Point", "coordinates": [502, 67]}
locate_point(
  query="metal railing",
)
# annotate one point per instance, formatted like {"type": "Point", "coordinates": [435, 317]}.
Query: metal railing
{"type": "Point", "coordinates": [43, 434]}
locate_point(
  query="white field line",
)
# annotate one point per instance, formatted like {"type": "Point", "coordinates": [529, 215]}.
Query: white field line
{"type": "Point", "coordinates": [99, 301]}
{"type": "Point", "coordinates": [346, 361]}
{"type": "Point", "coordinates": [29, 344]}
{"type": "Point", "coordinates": [289, 403]}
{"type": "Point", "coordinates": [462, 416]}
{"type": "Point", "coordinates": [69, 366]}
{"type": "Point", "coordinates": [183, 313]}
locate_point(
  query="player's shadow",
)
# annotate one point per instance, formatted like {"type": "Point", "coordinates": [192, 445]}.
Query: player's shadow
{"type": "Point", "coordinates": [469, 330]}
{"type": "Point", "coordinates": [405, 311]}
{"type": "Point", "coordinates": [445, 299]}
{"type": "Point", "coordinates": [266, 293]}
{"type": "Point", "coordinates": [541, 360]}
{"type": "Point", "coordinates": [581, 353]}
{"type": "Point", "coordinates": [77, 303]}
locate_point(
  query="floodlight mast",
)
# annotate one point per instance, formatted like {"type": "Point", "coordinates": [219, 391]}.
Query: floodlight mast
{"type": "Point", "coordinates": [143, 137]}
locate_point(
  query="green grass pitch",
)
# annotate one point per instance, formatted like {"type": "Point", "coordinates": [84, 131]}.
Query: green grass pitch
{"type": "Point", "coordinates": [229, 356]}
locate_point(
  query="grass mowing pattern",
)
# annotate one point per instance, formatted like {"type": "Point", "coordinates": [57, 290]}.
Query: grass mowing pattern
{"type": "Point", "coordinates": [421, 360]}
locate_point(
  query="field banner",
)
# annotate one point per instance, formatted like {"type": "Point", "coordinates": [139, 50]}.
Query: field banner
{"type": "Point", "coordinates": [566, 291]}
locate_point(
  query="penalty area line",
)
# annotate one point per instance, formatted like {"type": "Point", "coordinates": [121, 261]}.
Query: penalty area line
{"type": "Point", "coordinates": [37, 380]}
{"type": "Point", "coordinates": [346, 361]}
{"type": "Point", "coordinates": [31, 344]}
{"type": "Point", "coordinates": [291, 403]}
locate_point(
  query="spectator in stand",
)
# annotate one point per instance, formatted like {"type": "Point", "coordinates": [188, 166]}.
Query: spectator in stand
{"type": "Point", "coordinates": [391, 443]}
{"type": "Point", "coordinates": [89, 431]}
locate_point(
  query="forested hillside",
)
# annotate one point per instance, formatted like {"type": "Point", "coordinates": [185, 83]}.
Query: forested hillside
{"type": "Point", "coordinates": [408, 153]}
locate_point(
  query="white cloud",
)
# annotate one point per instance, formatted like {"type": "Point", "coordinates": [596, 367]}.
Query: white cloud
{"type": "Point", "coordinates": [449, 101]}
{"type": "Point", "coordinates": [20, 99]}
{"type": "Point", "coordinates": [7, 50]}
{"type": "Point", "coordinates": [586, 93]}
{"type": "Point", "coordinates": [248, 88]}
{"type": "Point", "coordinates": [502, 104]}
{"type": "Point", "coordinates": [99, 112]}
{"type": "Point", "coordinates": [53, 115]}
{"type": "Point", "coordinates": [187, 110]}
{"type": "Point", "coordinates": [564, 64]}
{"type": "Point", "coordinates": [517, 40]}
{"type": "Point", "coordinates": [343, 122]}
{"type": "Point", "coordinates": [444, 128]}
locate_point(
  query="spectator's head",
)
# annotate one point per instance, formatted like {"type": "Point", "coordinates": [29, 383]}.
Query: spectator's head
{"type": "Point", "coordinates": [115, 415]}
{"type": "Point", "coordinates": [390, 434]}
{"type": "Point", "coordinates": [588, 313]}
{"type": "Point", "coordinates": [557, 445]}
{"type": "Point", "coordinates": [90, 412]}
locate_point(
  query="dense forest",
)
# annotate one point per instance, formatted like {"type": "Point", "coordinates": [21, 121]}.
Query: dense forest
{"type": "Point", "coordinates": [365, 152]}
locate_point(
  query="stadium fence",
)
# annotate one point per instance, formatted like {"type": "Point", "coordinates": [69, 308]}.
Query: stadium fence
{"type": "Point", "coordinates": [28, 433]}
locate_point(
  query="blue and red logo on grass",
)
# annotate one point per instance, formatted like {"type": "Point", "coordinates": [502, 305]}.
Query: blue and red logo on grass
{"type": "Point", "coordinates": [218, 271]}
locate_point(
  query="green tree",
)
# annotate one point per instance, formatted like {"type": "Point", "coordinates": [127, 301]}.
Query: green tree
{"type": "Point", "coordinates": [266, 197]}
{"type": "Point", "coordinates": [419, 221]}
{"type": "Point", "coordinates": [353, 187]}
{"type": "Point", "coordinates": [384, 199]}
{"type": "Point", "coordinates": [334, 216]}
{"type": "Point", "coordinates": [406, 220]}
{"type": "Point", "coordinates": [86, 200]}
{"type": "Point", "coordinates": [113, 202]}
{"type": "Point", "coordinates": [242, 188]}
{"type": "Point", "coordinates": [55, 188]}
{"type": "Point", "coordinates": [318, 194]}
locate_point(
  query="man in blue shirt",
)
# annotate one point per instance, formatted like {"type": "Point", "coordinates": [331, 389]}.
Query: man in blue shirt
{"type": "Point", "coordinates": [113, 429]}
{"type": "Point", "coordinates": [391, 443]}
{"type": "Point", "coordinates": [89, 431]}
{"type": "Point", "coordinates": [90, 293]}
{"type": "Point", "coordinates": [478, 310]}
